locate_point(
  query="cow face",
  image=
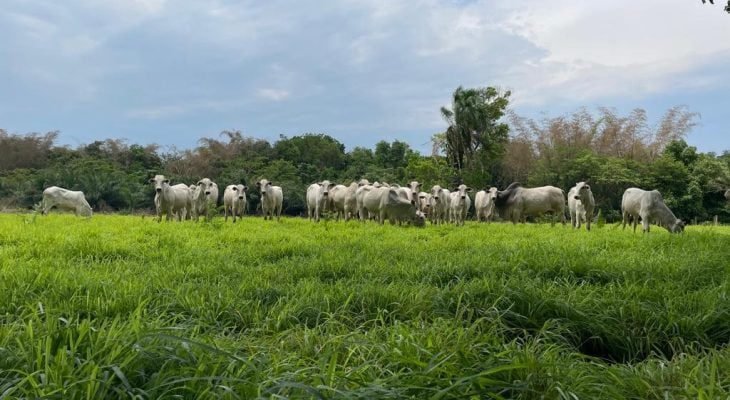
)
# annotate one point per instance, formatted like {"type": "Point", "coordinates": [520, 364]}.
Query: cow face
{"type": "Point", "coordinates": [415, 186]}
{"type": "Point", "coordinates": [326, 186]}
{"type": "Point", "coordinates": [207, 185]}
{"type": "Point", "coordinates": [263, 185]}
{"type": "Point", "coordinates": [363, 182]}
{"type": "Point", "coordinates": [462, 189]}
{"type": "Point", "coordinates": [240, 191]}
{"type": "Point", "coordinates": [159, 182]}
{"type": "Point", "coordinates": [492, 193]}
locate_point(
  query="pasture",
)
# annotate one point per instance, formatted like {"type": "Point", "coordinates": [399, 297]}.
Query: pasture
{"type": "Point", "coordinates": [123, 307]}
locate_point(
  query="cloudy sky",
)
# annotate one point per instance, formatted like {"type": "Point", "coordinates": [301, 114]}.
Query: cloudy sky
{"type": "Point", "coordinates": [172, 71]}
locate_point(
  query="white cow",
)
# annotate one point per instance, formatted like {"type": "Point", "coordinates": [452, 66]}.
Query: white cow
{"type": "Point", "coordinates": [649, 206]}
{"type": "Point", "coordinates": [581, 205]}
{"type": "Point", "coordinates": [343, 199]}
{"type": "Point", "coordinates": [272, 199]}
{"type": "Point", "coordinates": [386, 203]}
{"type": "Point", "coordinates": [517, 203]}
{"type": "Point", "coordinates": [484, 204]}
{"type": "Point", "coordinates": [171, 200]}
{"type": "Point", "coordinates": [65, 199]}
{"type": "Point", "coordinates": [318, 199]}
{"type": "Point", "coordinates": [424, 203]}
{"type": "Point", "coordinates": [368, 201]}
{"type": "Point", "coordinates": [460, 204]}
{"type": "Point", "coordinates": [415, 187]}
{"type": "Point", "coordinates": [204, 194]}
{"type": "Point", "coordinates": [442, 204]}
{"type": "Point", "coordinates": [234, 201]}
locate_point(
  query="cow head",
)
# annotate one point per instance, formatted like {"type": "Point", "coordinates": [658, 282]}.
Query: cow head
{"type": "Point", "coordinates": [326, 186]}
{"type": "Point", "coordinates": [263, 185]}
{"type": "Point", "coordinates": [363, 182]}
{"type": "Point", "coordinates": [581, 189]}
{"type": "Point", "coordinates": [159, 182]}
{"type": "Point", "coordinates": [492, 193]}
{"type": "Point", "coordinates": [415, 186]}
{"type": "Point", "coordinates": [240, 191]}
{"type": "Point", "coordinates": [677, 226]}
{"type": "Point", "coordinates": [85, 210]}
{"type": "Point", "coordinates": [419, 219]}
{"type": "Point", "coordinates": [462, 189]}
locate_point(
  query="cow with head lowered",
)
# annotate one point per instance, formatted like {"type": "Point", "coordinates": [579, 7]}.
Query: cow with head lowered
{"type": "Point", "coordinates": [171, 199]}
{"type": "Point", "coordinates": [272, 199]}
{"type": "Point", "coordinates": [649, 206]}
{"type": "Point", "coordinates": [65, 199]}
{"type": "Point", "coordinates": [516, 203]}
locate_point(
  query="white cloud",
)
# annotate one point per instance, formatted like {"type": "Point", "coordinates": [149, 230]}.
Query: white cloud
{"type": "Point", "coordinates": [273, 94]}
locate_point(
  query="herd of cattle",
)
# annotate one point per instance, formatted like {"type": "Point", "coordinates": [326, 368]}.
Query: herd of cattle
{"type": "Point", "coordinates": [397, 204]}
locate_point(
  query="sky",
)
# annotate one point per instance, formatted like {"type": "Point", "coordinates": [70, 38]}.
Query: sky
{"type": "Point", "coordinates": [173, 71]}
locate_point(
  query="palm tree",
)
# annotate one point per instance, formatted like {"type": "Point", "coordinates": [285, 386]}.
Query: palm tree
{"type": "Point", "coordinates": [473, 124]}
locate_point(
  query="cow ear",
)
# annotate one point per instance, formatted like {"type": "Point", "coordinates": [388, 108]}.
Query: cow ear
{"type": "Point", "coordinates": [245, 188]}
{"type": "Point", "coordinates": [468, 189]}
{"type": "Point", "coordinates": [258, 183]}
{"type": "Point", "coordinates": [268, 184]}
{"type": "Point", "coordinates": [199, 183]}
{"type": "Point", "coordinates": [166, 181]}
{"type": "Point", "coordinates": [152, 180]}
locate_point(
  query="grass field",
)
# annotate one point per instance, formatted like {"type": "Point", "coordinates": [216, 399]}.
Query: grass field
{"type": "Point", "coordinates": [124, 307]}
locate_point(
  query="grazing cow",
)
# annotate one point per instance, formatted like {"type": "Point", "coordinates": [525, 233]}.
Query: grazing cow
{"type": "Point", "coordinates": [171, 200]}
{"type": "Point", "coordinates": [517, 203]}
{"type": "Point", "coordinates": [460, 204]}
{"type": "Point", "coordinates": [484, 204]}
{"type": "Point", "coordinates": [204, 193]}
{"type": "Point", "coordinates": [272, 198]}
{"type": "Point", "coordinates": [649, 206]}
{"type": "Point", "coordinates": [234, 201]}
{"type": "Point", "coordinates": [442, 204]}
{"type": "Point", "coordinates": [318, 199]}
{"type": "Point", "coordinates": [65, 199]}
{"type": "Point", "coordinates": [581, 205]}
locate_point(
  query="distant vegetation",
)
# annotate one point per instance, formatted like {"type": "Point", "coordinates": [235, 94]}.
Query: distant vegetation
{"type": "Point", "coordinates": [484, 145]}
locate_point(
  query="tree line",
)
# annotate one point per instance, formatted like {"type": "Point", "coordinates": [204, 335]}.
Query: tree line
{"type": "Point", "coordinates": [484, 145]}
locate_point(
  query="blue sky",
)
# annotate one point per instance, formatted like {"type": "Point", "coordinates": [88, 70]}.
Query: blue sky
{"type": "Point", "coordinates": [172, 71]}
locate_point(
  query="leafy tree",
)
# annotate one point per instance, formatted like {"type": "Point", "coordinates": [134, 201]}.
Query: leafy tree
{"type": "Point", "coordinates": [475, 135]}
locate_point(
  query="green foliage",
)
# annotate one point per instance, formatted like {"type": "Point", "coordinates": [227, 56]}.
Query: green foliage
{"type": "Point", "coordinates": [474, 136]}
{"type": "Point", "coordinates": [124, 307]}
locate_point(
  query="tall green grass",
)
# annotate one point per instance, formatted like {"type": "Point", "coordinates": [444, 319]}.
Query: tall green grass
{"type": "Point", "coordinates": [124, 307]}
